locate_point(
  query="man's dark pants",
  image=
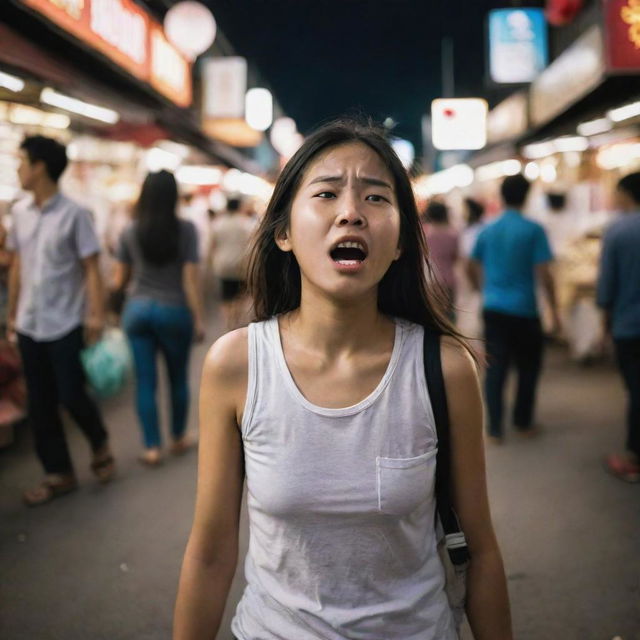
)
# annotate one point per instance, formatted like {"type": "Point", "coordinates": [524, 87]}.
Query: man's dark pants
{"type": "Point", "coordinates": [54, 376]}
{"type": "Point", "coordinates": [518, 340]}
{"type": "Point", "coordinates": [628, 353]}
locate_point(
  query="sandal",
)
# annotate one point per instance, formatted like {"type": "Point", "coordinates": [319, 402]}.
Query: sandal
{"type": "Point", "coordinates": [181, 446]}
{"type": "Point", "coordinates": [151, 458]}
{"type": "Point", "coordinates": [51, 487]}
{"type": "Point", "coordinates": [104, 468]}
{"type": "Point", "coordinates": [622, 467]}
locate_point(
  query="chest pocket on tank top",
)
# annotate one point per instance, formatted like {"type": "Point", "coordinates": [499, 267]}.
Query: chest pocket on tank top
{"type": "Point", "coordinates": [405, 483]}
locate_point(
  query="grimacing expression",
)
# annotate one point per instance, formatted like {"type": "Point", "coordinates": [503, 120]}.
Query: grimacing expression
{"type": "Point", "coordinates": [344, 224]}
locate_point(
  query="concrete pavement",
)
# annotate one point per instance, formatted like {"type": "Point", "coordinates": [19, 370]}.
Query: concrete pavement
{"type": "Point", "coordinates": [103, 562]}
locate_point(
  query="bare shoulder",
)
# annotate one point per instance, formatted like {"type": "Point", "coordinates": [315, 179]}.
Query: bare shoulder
{"type": "Point", "coordinates": [227, 360]}
{"type": "Point", "coordinates": [458, 366]}
{"type": "Point", "coordinates": [223, 386]}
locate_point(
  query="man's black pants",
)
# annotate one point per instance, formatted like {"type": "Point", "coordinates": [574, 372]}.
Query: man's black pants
{"type": "Point", "coordinates": [54, 376]}
{"type": "Point", "coordinates": [628, 353]}
{"type": "Point", "coordinates": [518, 340]}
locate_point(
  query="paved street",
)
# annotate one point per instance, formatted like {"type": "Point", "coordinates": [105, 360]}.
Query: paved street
{"type": "Point", "coordinates": [103, 563]}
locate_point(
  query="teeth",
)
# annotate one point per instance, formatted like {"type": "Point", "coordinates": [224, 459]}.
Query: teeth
{"type": "Point", "coordinates": [351, 245]}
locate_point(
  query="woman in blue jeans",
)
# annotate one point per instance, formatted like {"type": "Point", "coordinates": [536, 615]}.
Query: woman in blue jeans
{"type": "Point", "coordinates": [159, 253]}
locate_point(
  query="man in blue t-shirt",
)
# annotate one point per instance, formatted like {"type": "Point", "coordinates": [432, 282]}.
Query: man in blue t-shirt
{"type": "Point", "coordinates": [509, 257]}
{"type": "Point", "coordinates": [619, 296]}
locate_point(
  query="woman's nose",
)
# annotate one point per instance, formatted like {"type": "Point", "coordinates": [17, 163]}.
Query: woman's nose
{"type": "Point", "coordinates": [350, 213]}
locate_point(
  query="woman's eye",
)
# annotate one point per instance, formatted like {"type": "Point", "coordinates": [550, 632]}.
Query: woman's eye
{"type": "Point", "coordinates": [376, 198]}
{"type": "Point", "coordinates": [325, 195]}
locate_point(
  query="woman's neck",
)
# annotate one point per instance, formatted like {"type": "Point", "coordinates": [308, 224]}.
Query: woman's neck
{"type": "Point", "coordinates": [334, 326]}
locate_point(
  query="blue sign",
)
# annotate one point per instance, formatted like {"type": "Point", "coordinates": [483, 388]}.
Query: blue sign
{"type": "Point", "coordinates": [518, 47]}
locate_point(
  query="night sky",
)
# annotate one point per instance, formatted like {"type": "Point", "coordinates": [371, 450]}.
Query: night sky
{"type": "Point", "coordinates": [381, 58]}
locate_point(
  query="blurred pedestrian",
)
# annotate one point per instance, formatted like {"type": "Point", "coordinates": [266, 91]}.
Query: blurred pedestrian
{"type": "Point", "coordinates": [195, 208]}
{"type": "Point", "coordinates": [469, 301]}
{"type": "Point", "coordinates": [230, 240]}
{"type": "Point", "coordinates": [159, 252]}
{"type": "Point", "coordinates": [474, 225]}
{"type": "Point", "coordinates": [54, 272]}
{"type": "Point", "coordinates": [509, 257]}
{"type": "Point", "coordinates": [442, 242]}
{"type": "Point", "coordinates": [619, 296]}
{"type": "Point", "coordinates": [322, 404]}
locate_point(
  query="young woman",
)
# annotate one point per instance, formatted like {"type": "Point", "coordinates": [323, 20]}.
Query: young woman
{"type": "Point", "coordinates": [322, 405]}
{"type": "Point", "coordinates": [164, 310]}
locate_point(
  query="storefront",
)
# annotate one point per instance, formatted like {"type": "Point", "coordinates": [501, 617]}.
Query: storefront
{"type": "Point", "coordinates": [585, 134]}
{"type": "Point", "coordinates": [100, 76]}
{"type": "Point", "coordinates": [573, 133]}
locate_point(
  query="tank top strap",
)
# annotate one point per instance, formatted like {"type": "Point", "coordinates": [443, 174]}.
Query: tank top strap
{"type": "Point", "coordinates": [261, 369]}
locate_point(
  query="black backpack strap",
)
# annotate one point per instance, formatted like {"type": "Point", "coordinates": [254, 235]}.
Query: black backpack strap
{"type": "Point", "coordinates": [456, 543]}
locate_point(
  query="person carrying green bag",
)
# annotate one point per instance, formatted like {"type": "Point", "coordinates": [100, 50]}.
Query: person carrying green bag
{"type": "Point", "coordinates": [55, 304]}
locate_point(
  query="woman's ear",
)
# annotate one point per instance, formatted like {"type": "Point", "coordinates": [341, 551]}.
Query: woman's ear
{"type": "Point", "coordinates": [282, 240]}
{"type": "Point", "coordinates": [398, 253]}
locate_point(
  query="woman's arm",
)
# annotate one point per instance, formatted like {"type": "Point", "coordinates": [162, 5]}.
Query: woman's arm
{"type": "Point", "coordinates": [212, 551]}
{"type": "Point", "coordinates": [487, 598]}
{"type": "Point", "coordinates": [120, 276]}
{"type": "Point", "coordinates": [193, 291]}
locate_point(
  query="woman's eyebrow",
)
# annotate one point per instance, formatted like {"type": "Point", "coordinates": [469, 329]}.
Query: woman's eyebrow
{"type": "Point", "coordinates": [376, 182]}
{"type": "Point", "coordinates": [326, 179]}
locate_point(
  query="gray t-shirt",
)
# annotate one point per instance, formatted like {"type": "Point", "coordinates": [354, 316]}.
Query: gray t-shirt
{"type": "Point", "coordinates": [160, 283]}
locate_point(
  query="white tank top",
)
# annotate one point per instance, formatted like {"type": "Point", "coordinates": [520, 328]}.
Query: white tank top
{"type": "Point", "coordinates": [341, 505]}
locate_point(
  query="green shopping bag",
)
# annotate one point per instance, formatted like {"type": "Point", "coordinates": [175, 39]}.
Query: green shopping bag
{"type": "Point", "coordinates": [107, 363]}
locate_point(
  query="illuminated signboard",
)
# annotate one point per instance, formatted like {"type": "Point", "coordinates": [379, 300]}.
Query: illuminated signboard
{"type": "Point", "coordinates": [622, 18]}
{"type": "Point", "coordinates": [509, 119]}
{"type": "Point", "coordinates": [569, 78]}
{"type": "Point", "coordinates": [126, 34]}
{"type": "Point", "coordinates": [169, 69]}
{"type": "Point", "coordinates": [459, 123]}
{"type": "Point", "coordinates": [224, 83]}
{"type": "Point", "coordinates": [518, 49]}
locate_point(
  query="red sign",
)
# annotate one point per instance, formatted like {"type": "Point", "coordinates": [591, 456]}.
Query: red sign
{"type": "Point", "coordinates": [561, 12]}
{"type": "Point", "coordinates": [622, 19]}
{"type": "Point", "coordinates": [122, 31]}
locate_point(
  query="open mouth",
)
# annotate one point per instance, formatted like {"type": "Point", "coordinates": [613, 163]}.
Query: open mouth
{"type": "Point", "coordinates": [349, 253]}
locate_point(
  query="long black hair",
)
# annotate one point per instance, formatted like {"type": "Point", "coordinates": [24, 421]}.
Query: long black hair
{"type": "Point", "coordinates": [409, 288]}
{"type": "Point", "coordinates": [157, 226]}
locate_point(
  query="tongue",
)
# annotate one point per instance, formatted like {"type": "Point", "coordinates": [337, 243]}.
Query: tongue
{"type": "Point", "coordinates": [343, 253]}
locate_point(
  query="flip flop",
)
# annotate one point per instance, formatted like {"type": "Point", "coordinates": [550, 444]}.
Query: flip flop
{"type": "Point", "coordinates": [151, 461]}
{"type": "Point", "coordinates": [104, 468]}
{"type": "Point", "coordinates": [621, 467]}
{"type": "Point", "coordinates": [48, 490]}
{"type": "Point", "coordinates": [180, 447]}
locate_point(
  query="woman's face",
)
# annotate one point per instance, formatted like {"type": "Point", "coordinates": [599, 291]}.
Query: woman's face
{"type": "Point", "coordinates": [344, 226]}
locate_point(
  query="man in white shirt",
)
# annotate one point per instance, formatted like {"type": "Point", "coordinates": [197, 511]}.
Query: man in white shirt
{"type": "Point", "coordinates": [54, 274]}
